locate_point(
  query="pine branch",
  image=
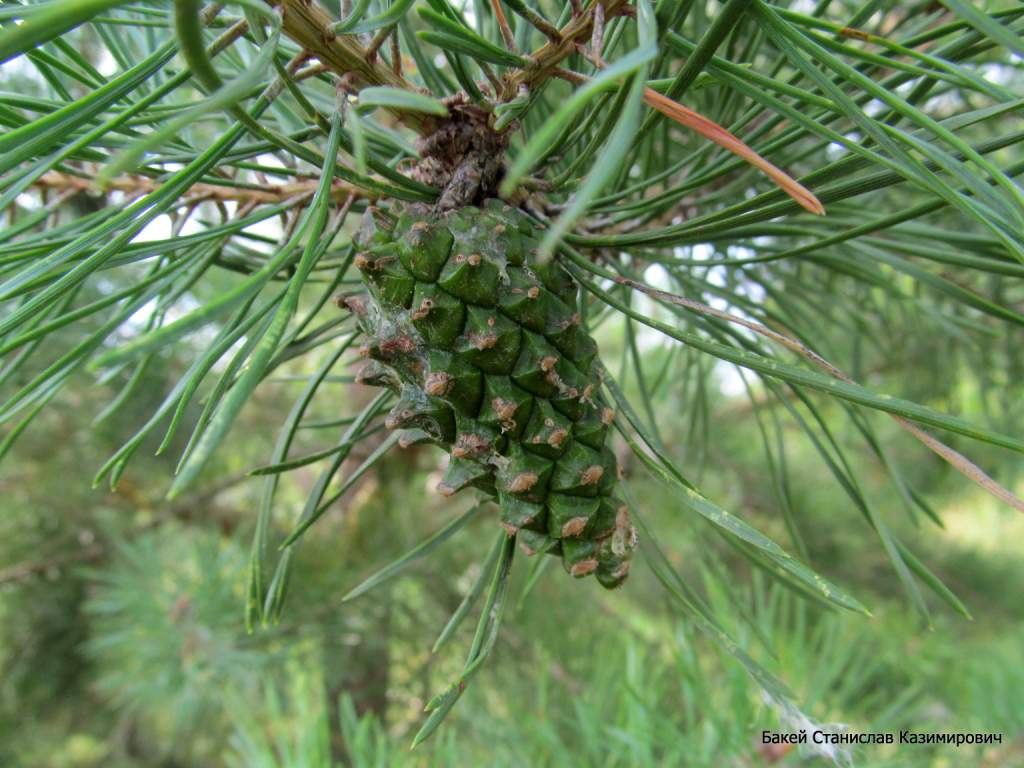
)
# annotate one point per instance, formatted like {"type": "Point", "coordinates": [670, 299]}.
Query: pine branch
{"type": "Point", "coordinates": [957, 460]}
{"type": "Point", "coordinates": [310, 26]}
{"type": "Point", "coordinates": [135, 186]}
{"type": "Point", "coordinates": [183, 509]}
{"type": "Point", "coordinates": [732, 262]}
{"type": "Point", "coordinates": [545, 60]}
{"type": "Point", "coordinates": [28, 568]}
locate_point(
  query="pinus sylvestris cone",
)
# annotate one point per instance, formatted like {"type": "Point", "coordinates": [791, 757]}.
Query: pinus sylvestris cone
{"type": "Point", "coordinates": [483, 345]}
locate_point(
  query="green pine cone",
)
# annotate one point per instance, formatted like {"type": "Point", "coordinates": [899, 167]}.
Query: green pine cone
{"type": "Point", "coordinates": [485, 350]}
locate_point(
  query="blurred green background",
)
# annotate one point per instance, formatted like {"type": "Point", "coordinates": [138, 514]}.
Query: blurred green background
{"type": "Point", "coordinates": [122, 636]}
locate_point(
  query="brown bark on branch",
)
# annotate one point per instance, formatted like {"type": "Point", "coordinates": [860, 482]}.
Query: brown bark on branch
{"type": "Point", "coordinates": [139, 185]}
{"type": "Point", "coordinates": [309, 25]}
{"type": "Point", "coordinates": [547, 58]}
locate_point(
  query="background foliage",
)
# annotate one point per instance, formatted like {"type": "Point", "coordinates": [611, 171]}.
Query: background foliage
{"type": "Point", "coordinates": [175, 225]}
{"type": "Point", "coordinates": [127, 642]}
